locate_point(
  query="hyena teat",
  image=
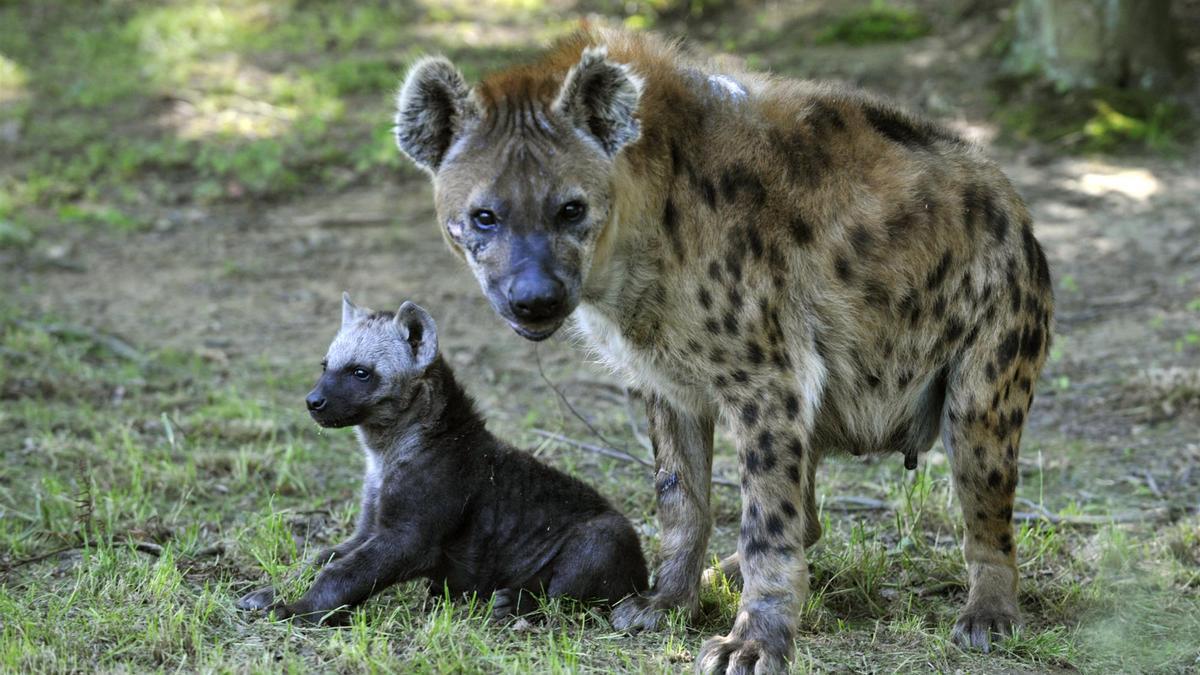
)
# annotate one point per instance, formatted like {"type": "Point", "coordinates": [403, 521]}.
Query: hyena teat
{"type": "Point", "coordinates": [444, 499]}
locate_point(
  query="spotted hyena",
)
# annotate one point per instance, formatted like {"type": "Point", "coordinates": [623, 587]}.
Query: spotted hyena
{"type": "Point", "coordinates": [443, 499]}
{"type": "Point", "coordinates": [817, 268]}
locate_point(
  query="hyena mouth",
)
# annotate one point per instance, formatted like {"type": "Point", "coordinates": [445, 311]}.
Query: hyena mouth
{"type": "Point", "coordinates": [534, 334]}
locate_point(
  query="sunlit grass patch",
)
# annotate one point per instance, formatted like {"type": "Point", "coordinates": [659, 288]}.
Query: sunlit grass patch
{"type": "Point", "coordinates": [881, 22]}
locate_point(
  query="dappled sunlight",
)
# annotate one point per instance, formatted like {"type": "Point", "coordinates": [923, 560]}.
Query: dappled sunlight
{"type": "Point", "coordinates": [229, 97]}
{"type": "Point", "coordinates": [1137, 184]}
{"type": "Point", "coordinates": [12, 81]}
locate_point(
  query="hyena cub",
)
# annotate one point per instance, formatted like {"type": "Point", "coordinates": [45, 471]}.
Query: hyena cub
{"type": "Point", "coordinates": [443, 498]}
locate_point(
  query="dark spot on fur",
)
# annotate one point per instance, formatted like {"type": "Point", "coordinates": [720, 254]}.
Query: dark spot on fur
{"type": "Point", "coordinates": [903, 379]}
{"type": "Point", "coordinates": [733, 265]}
{"type": "Point", "coordinates": [841, 265]}
{"type": "Point", "coordinates": [708, 192]}
{"type": "Point", "coordinates": [910, 308]}
{"type": "Point", "coordinates": [994, 479]}
{"type": "Point", "coordinates": [954, 329]}
{"type": "Point", "coordinates": [717, 355]}
{"type": "Point", "coordinates": [670, 221]}
{"type": "Point", "coordinates": [740, 376]}
{"type": "Point", "coordinates": [877, 294]}
{"type": "Point", "coordinates": [754, 353]}
{"type": "Point", "coordinates": [739, 180]}
{"type": "Point", "coordinates": [873, 380]}
{"type": "Point", "coordinates": [939, 307]}
{"type": "Point", "coordinates": [786, 508]}
{"type": "Point", "coordinates": [720, 381]}
{"type": "Point", "coordinates": [825, 117]}
{"type": "Point", "coordinates": [796, 447]}
{"type": "Point", "coordinates": [752, 463]}
{"type": "Point", "coordinates": [899, 128]}
{"type": "Point", "coordinates": [862, 240]}
{"type": "Point", "coordinates": [749, 413]}
{"type": "Point", "coordinates": [705, 298]}
{"type": "Point", "coordinates": [714, 270]}
{"type": "Point", "coordinates": [938, 275]}
{"type": "Point", "coordinates": [801, 230]}
{"type": "Point", "coordinates": [794, 473]}
{"type": "Point", "coordinates": [712, 326]}
{"type": "Point", "coordinates": [1008, 350]}
{"type": "Point", "coordinates": [756, 547]}
{"type": "Point", "coordinates": [730, 323]}
{"type": "Point", "coordinates": [735, 298]}
{"type": "Point", "coordinates": [754, 239]}
{"type": "Point", "coordinates": [791, 404]}
{"type": "Point", "coordinates": [774, 525]}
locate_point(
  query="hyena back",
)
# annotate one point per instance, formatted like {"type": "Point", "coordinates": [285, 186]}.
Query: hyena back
{"type": "Point", "coordinates": [817, 268]}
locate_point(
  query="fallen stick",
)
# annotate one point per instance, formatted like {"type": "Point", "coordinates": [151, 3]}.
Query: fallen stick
{"type": "Point", "coordinates": [613, 453]}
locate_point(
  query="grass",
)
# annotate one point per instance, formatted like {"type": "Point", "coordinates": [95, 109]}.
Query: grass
{"type": "Point", "coordinates": [115, 448]}
{"type": "Point", "coordinates": [881, 22]}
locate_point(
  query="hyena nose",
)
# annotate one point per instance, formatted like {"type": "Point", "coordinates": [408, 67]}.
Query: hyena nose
{"type": "Point", "coordinates": [534, 297]}
{"type": "Point", "coordinates": [315, 402]}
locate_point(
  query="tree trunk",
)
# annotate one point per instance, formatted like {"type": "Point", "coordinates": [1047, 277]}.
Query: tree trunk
{"type": "Point", "coordinates": [1091, 43]}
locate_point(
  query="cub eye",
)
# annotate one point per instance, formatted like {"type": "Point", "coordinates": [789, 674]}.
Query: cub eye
{"type": "Point", "coordinates": [572, 212]}
{"type": "Point", "coordinates": [362, 374]}
{"type": "Point", "coordinates": [484, 220]}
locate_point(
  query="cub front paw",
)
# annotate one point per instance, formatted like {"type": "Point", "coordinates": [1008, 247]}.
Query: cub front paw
{"type": "Point", "coordinates": [262, 598]}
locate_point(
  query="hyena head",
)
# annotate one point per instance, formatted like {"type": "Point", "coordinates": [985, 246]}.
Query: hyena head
{"type": "Point", "coordinates": [522, 169]}
{"type": "Point", "coordinates": [373, 367]}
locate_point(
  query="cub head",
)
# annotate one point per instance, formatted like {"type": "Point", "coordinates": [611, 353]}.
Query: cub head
{"type": "Point", "coordinates": [522, 168]}
{"type": "Point", "coordinates": [373, 368]}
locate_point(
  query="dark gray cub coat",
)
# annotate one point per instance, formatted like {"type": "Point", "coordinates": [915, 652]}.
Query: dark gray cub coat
{"type": "Point", "coordinates": [444, 499]}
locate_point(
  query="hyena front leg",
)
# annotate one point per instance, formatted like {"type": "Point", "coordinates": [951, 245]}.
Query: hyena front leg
{"type": "Point", "coordinates": [776, 471]}
{"type": "Point", "coordinates": [264, 598]}
{"type": "Point", "coordinates": [730, 566]}
{"type": "Point", "coordinates": [986, 409]}
{"type": "Point", "coordinates": [683, 445]}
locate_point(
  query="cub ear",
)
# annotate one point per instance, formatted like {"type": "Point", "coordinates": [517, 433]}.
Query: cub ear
{"type": "Point", "coordinates": [430, 108]}
{"type": "Point", "coordinates": [418, 329]}
{"type": "Point", "coordinates": [350, 311]}
{"type": "Point", "coordinates": [601, 98]}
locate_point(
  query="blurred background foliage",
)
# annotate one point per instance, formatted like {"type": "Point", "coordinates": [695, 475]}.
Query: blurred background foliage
{"type": "Point", "coordinates": [110, 110]}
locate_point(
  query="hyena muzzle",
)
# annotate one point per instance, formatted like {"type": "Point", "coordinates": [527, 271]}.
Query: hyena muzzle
{"type": "Point", "coordinates": [817, 268]}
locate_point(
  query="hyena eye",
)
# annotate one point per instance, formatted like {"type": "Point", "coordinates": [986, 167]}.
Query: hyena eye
{"type": "Point", "coordinates": [362, 374]}
{"type": "Point", "coordinates": [572, 212]}
{"type": "Point", "coordinates": [484, 220]}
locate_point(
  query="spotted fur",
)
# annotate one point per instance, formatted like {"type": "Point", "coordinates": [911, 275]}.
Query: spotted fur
{"type": "Point", "coordinates": [821, 270]}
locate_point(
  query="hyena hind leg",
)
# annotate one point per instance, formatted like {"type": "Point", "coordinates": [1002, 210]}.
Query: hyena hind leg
{"type": "Point", "coordinates": [985, 415]}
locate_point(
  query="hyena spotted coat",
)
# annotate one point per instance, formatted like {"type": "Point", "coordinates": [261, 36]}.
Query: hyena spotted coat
{"type": "Point", "coordinates": [818, 269]}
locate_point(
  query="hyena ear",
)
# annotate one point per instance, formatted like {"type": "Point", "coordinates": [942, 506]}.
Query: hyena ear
{"type": "Point", "coordinates": [432, 104]}
{"type": "Point", "coordinates": [350, 311]}
{"type": "Point", "coordinates": [418, 329]}
{"type": "Point", "coordinates": [601, 97]}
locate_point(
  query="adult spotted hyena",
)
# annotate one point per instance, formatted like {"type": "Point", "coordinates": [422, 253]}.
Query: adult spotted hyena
{"type": "Point", "coordinates": [821, 270]}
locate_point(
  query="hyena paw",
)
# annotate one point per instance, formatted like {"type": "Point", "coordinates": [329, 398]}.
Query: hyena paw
{"type": "Point", "coordinates": [504, 604]}
{"type": "Point", "coordinates": [733, 655]}
{"type": "Point", "coordinates": [262, 598]}
{"type": "Point", "coordinates": [760, 642]}
{"type": "Point", "coordinates": [977, 624]}
{"type": "Point", "coordinates": [638, 613]}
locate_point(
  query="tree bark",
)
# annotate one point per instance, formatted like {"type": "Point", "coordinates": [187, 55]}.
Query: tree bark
{"type": "Point", "coordinates": [1093, 43]}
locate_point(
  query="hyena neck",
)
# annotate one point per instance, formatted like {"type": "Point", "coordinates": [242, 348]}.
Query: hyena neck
{"type": "Point", "coordinates": [439, 416]}
{"type": "Point", "coordinates": [630, 252]}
